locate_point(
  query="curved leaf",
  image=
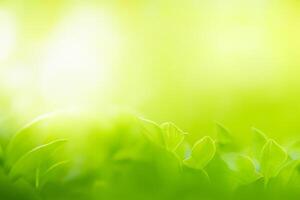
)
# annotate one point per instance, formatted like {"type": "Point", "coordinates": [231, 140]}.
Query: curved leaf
{"type": "Point", "coordinates": [245, 169]}
{"type": "Point", "coordinates": [17, 145]}
{"type": "Point", "coordinates": [273, 157]}
{"type": "Point", "coordinates": [203, 152]}
{"type": "Point", "coordinates": [41, 178]}
{"type": "Point", "coordinates": [289, 173]}
{"type": "Point", "coordinates": [152, 131]}
{"type": "Point", "coordinates": [225, 140]}
{"type": "Point", "coordinates": [173, 136]}
{"type": "Point", "coordinates": [32, 159]}
{"type": "Point", "coordinates": [183, 151]}
{"type": "Point", "coordinates": [294, 150]}
{"type": "Point", "coordinates": [258, 142]}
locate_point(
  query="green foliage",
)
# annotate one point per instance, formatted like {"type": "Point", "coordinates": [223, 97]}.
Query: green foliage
{"type": "Point", "coordinates": [203, 152]}
{"type": "Point", "coordinates": [34, 158]}
{"type": "Point", "coordinates": [273, 157]}
{"type": "Point", "coordinates": [225, 140]}
{"type": "Point", "coordinates": [243, 168]}
{"type": "Point", "coordinates": [153, 132]}
{"type": "Point", "coordinates": [131, 158]}
{"type": "Point", "coordinates": [259, 140]}
{"type": "Point", "coordinates": [173, 136]}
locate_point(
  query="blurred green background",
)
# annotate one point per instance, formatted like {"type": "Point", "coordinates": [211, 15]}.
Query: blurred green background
{"type": "Point", "coordinates": [192, 62]}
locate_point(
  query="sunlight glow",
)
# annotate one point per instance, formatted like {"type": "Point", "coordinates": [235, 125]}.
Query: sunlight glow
{"type": "Point", "coordinates": [7, 34]}
{"type": "Point", "coordinates": [79, 57]}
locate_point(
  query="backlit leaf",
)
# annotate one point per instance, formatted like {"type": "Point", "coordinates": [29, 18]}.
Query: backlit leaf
{"type": "Point", "coordinates": [203, 152]}
{"type": "Point", "coordinates": [152, 131]}
{"type": "Point", "coordinates": [225, 140]}
{"type": "Point", "coordinates": [32, 159]}
{"type": "Point", "coordinates": [273, 157]}
{"type": "Point", "coordinates": [259, 140]}
{"type": "Point", "coordinates": [173, 136]}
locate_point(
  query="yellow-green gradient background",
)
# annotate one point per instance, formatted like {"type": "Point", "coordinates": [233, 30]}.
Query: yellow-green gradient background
{"type": "Point", "coordinates": [192, 62]}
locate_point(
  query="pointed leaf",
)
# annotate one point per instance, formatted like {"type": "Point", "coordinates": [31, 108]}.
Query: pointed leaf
{"type": "Point", "coordinates": [183, 151]}
{"type": "Point", "coordinates": [272, 159]}
{"type": "Point", "coordinates": [152, 131]}
{"type": "Point", "coordinates": [17, 146]}
{"type": "Point", "coordinates": [289, 173]}
{"type": "Point", "coordinates": [294, 150]}
{"type": "Point", "coordinates": [203, 152]}
{"type": "Point", "coordinates": [173, 136]}
{"type": "Point", "coordinates": [245, 170]}
{"type": "Point", "coordinates": [32, 159]}
{"type": "Point", "coordinates": [224, 138]}
{"type": "Point", "coordinates": [45, 176]}
{"type": "Point", "coordinates": [259, 140]}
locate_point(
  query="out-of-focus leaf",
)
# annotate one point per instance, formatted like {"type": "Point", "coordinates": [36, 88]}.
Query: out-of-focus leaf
{"type": "Point", "coordinates": [245, 170]}
{"type": "Point", "coordinates": [24, 140]}
{"type": "Point", "coordinates": [183, 151]}
{"type": "Point", "coordinates": [173, 136]}
{"type": "Point", "coordinates": [225, 140]}
{"type": "Point", "coordinates": [37, 178]}
{"type": "Point", "coordinates": [203, 152]}
{"type": "Point", "coordinates": [288, 173]}
{"type": "Point", "coordinates": [32, 159]}
{"type": "Point", "coordinates": [153, 132]}
{"type": "Point", "coordinates": [294, 150]}
{"type": "Point", "coordinates": [1, 155]}
{"type": "Point", "coordinates": [273, 157]}
{"type": "Point", "coordinates": [43, 177]}
{"type": "Point", "coordinates": [258, 142]}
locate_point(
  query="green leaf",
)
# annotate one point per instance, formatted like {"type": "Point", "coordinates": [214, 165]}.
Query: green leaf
{"type": "Point", "coordinates": [294, 150]}
{"type": "Point", "coordinates": [152, 131]}
{"type": "Point", "coordinates": [37, 178]}
{"type": "Point", "coordinates": [225, 140]}
{"type": "Point", "coordinates": [203, 152]}
{"type": "Point", "coordinates": [30, 161]}
{"type": "Point", "coordinates": [273, 157]}
{"type": "Point", "coordinates": [17, 145]}
{"type": "Point", "coordinates": [1, 155]}
{"type": "Point", "coordinates": [173, 136]}
{"type": "Point", "coordinates": [245, 170]}
{"type": "Point", "coordinates": [289, 173]}
{"type": "Point", "coordinates": [258, 142]}
{"type": "Point", "coordinates": [183, 151]}
{"type": "Point", "coordinates": [42, 178]}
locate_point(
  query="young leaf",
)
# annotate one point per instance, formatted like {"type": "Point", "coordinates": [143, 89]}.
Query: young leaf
{"type": "Point", "coordinates": [32, 159]}
{"type": "Point", "coordinates": [17, 146]}
{"type": "Point", "coordinates": [152, 131]}
{"type": "Point", "coordinates": [173, 136]}
{"type": "Point", "coordinates": [273, 156]}
{"type": "Point", "coordinates": [203, 152]}
{"type": "Point", "coordinates": [245, 170]}
{"type": "Point", "coordinates": [294, 150]}
{"type": "Point", "coordinates": [224, 138]}
{"type": "Point", "coordinates": [288, 173]}
{"type": "Point", "coordinates": [42, 178]}
{"type": "Point", "coordinates": [259, 140]}
{"type": "Point", "coordinates": [183, 151]}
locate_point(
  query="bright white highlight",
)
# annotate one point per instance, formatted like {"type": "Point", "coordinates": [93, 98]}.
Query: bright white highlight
{"type": "Point", "coordinates": [7, 34]}
{"type": "Point", "coordinates": [79, 57]}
